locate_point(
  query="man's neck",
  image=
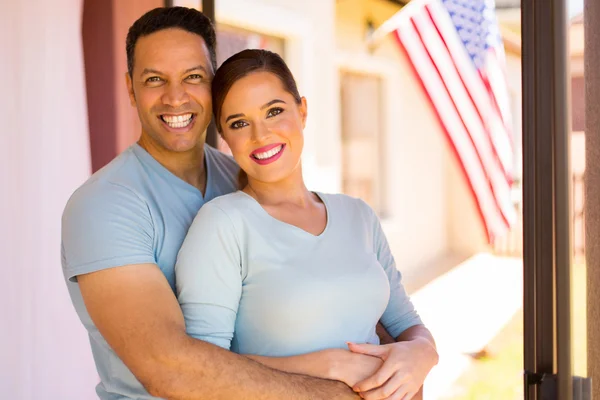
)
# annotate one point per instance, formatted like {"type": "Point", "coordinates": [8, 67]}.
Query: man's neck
{"type": "Point", "coordinates": [188, 166]}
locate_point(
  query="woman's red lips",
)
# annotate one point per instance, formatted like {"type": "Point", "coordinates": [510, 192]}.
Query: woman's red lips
{"type": "Point", "coordinates": [265, 148]}
{"type": "Point", "coordinates": [267, 158]}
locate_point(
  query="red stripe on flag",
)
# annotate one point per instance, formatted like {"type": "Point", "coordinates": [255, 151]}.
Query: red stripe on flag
{"type": "Point", "coordinates": [448, 138]}
{"type": "Point", "coordinates": [462, 102]}
{"type": "Point", "coordinates": [461, 142]}
{"type": "Point", "coordinates": [438, 91]}
{"type": "Point", "coordinates": [460, 115]}
{"type": "Point", "coordinates": [473, 81]}
{"type": "Point", "coordinates": [466, 107]}
{"type": "Point", "coordinates": [461, 74]}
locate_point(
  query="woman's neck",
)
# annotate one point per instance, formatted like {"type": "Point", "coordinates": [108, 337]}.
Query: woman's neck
{"type": "Point", "coordinates": [290, 190]}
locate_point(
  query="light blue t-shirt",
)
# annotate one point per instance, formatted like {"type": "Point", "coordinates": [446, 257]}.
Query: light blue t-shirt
{"type": "Point", "coordinates": [260, 286]}
{"type": "Point", "coordinates": [132, 211]}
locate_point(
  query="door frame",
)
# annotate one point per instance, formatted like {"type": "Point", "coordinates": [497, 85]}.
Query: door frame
{"type": "Point", "coordinates": [546, 201]}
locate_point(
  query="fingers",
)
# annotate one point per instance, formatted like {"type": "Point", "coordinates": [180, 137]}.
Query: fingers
{"type": "Point", "coordinates": [393, 389]}
{"type": "Point", "coordinates": [380, 378]}
{"type": "Point", "coordinates": [368, 349]}
{"type": "Point", "coordinates": [374, 381]}
{"type": "Point", "coordinates": [409, 396]}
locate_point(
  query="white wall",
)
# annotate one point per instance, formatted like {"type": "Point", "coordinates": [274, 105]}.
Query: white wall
{"type": "Point", "coordinates": [416, 155]}
{"type": "Point", "coordinates": [44, 352]}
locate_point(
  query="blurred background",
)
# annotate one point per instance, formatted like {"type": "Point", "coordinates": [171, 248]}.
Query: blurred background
{"type": "Point", "coordinates": [373, 132]}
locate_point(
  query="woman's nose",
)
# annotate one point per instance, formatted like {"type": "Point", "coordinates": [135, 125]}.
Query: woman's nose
{"type": "Point", "coordinates": [260, 131]}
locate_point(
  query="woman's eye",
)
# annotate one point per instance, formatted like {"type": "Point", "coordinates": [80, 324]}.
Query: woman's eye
{"type": "Point", "coordinates": [153, 79]}
{"type": "Point", "coordinates": [238, 124]}
{"type": "Point", "coordinates": [274, 111]}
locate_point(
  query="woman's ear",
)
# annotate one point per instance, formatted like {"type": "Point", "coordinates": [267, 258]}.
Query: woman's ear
{"type": "Point", "coordinates": [303, 111]}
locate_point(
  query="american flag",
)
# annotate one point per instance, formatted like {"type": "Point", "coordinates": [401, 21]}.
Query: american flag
{"type": "Point", "coordinates": [456, 51]}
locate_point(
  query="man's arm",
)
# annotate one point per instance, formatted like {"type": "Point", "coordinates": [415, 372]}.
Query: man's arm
{"type": "Point", "coordinates": [384, 336]}
{"type": "Point", "coordinates": [136, 312]}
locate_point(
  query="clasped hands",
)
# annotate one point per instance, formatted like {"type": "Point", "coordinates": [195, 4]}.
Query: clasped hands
{"type": "Point", "coordinates": [385, 372]}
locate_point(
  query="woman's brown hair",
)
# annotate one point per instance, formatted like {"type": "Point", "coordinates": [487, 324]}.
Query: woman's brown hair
{"type": "Point", "coordinates": [243, 64]}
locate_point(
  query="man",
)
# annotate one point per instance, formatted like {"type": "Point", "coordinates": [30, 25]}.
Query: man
{"type": "Point", "coordinates": [123, 228]}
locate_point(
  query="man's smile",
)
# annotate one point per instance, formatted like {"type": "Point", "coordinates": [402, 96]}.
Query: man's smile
{"type": "Point", "coordinates": [178, 122]}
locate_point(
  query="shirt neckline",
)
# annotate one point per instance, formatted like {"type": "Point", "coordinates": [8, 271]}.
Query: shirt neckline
{"type": "Point", "coordinates": [290, 226]}
{"type": "Point", "coordinates": [147, 158]}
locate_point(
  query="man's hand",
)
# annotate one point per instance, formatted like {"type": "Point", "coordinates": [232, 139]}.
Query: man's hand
{"type": "Point", "coordinates": [406, 365]}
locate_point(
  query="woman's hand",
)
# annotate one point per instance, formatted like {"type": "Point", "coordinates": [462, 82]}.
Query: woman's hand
{"type": "Point", "coordinates": [405, 367]}
{"type": "Point", "coordinates": [352, 368]}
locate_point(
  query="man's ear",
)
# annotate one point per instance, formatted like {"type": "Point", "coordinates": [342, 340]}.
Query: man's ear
{"type": "Point", "coordinates": [129, 84]}
{"type": "Point", "coordinates": [303, 111]}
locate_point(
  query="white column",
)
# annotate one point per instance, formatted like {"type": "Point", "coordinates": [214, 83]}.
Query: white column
{"type": "Point", "coordinates": [44, 156]}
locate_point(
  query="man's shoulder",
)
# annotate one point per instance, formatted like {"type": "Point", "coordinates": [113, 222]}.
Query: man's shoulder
{"type": "Point", "coordinates": [219, 156]}
{"type": "Point", "coordinates": [223, 163]}
{"type": "Point", "coordinates": [116, 182]}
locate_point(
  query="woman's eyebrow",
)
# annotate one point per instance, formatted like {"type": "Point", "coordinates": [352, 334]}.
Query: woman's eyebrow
{"type": "Point", "coordinates": [232, 116]}
{"type": "Point", "coordinates": [270, 103]}
{"type": "Point", "coordinates": [275, 101]}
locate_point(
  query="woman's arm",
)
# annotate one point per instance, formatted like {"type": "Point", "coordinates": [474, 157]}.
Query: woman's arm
{"type": "Point", "coordinates": [408, 361]}
{"type": "Point", "coordinates": [208, 277]}
{"type": "Point", "coordinates": [334, 364]}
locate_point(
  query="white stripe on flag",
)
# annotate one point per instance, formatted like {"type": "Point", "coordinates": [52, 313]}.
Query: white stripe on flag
{"type": "Point", "coordinates": [474, 84]}
{"type": "Point", "coordinates": [493, 219]}
{"type": "Point", "coordinates": [466, 111]}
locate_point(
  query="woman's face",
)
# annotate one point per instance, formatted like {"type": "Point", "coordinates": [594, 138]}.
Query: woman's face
{"type": "Point", "coordinates": [262, 123]}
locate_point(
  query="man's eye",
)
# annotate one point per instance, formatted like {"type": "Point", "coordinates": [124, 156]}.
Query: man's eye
{"type": "Point", "coordinates": [195, 77]}
{"type": "Point", "coordinates": [274, 111]}
{"type": "Point", "coordinates": [238, 124]}
{"type": "Point", "coordinates": [153, 79]}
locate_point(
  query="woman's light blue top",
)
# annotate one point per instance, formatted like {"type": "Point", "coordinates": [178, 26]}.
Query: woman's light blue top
{"type": "Point", "coordinates": [256, 285]}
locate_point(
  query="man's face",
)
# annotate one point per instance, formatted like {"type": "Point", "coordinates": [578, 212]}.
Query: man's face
{"type": "Point", "coordinates": [170, 88]}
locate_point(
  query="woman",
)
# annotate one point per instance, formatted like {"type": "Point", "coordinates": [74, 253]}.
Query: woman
{"type": "Point", "coordinates": [289, 277]}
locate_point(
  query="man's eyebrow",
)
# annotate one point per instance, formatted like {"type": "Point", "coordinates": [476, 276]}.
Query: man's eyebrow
{"type": "Point", "coordinates": [232, 116]}
{"type": "Point", "coordinates": [154, 71]}
{"type": "Point", "coordinates": [147, 71]}
{"type": "Point", "coordinates": [271, 103]}
{"type": "Point", "coordinates": [200, 67]}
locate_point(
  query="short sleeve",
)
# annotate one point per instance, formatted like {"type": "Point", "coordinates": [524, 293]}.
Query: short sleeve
{"type": "Point", "coordinates": [208, 277]}
{"type": "Point", "coordinates": [400, 313]}
{"type": "Point", "coordinates": [104, 226]}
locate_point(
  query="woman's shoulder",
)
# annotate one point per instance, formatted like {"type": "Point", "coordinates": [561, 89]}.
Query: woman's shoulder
{"type": "Point", "coordinates": [230, 204]}
{"type": "Point", "coordinates": [347, 203]}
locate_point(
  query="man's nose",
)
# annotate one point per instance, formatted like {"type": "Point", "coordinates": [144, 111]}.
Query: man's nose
{"type": "Point", "coordinates": [175, 95]}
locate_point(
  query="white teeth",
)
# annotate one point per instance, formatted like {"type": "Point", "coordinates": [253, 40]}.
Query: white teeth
{"type": "Point", "coordinates": [268, 154]}
{"type": "Point", "coordinates": [178, 121]}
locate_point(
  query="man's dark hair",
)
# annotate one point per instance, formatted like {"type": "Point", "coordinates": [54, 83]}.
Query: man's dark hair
{"type": "Point", "coordinates": [188, 19]}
